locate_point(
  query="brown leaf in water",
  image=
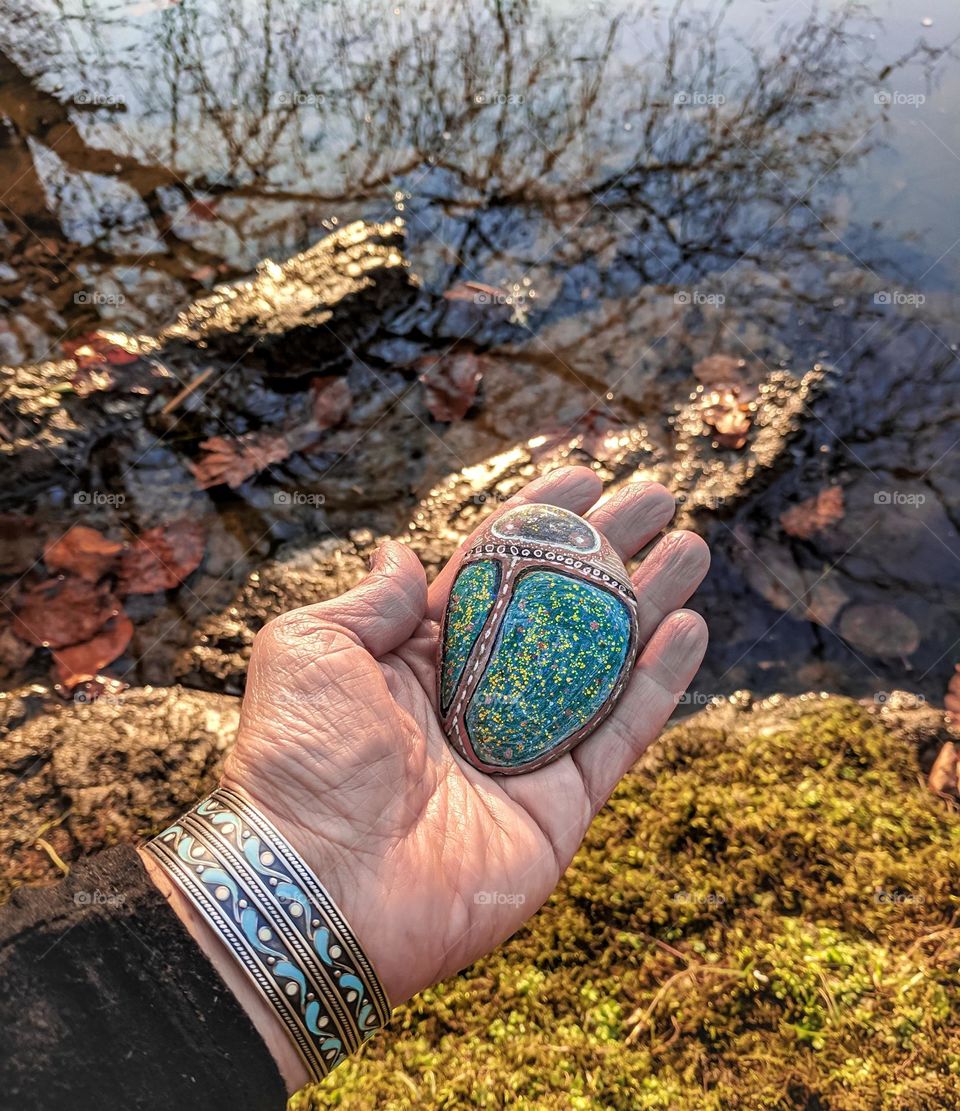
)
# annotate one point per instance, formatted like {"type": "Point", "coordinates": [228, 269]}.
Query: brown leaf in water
{"type": "Point", "coordinates": [331, 401]}
{"type": "Point", "coordinates": [84, 551]}
{"type": "Point", "coordinates": [97, 349]}
{"type": "Point", "coordinates": [469, 291]}
{"type": "Point", "coordinates": [234, 460]}
{"type": "Point", "coordinates": [162, 557]}
{"type": "Point", "coordinates": [814, 514]}
{"type": "Point", "coordinates": [203, 210]}
{"type": "Point", "coordinates": [63, 611]}
{"type": "Point", "coordinates": [451, 382]}
{"type": "Point", "coordinates": [728, 415]}
{"type": "Point", "coordinates": [879, 630]}
{"type": "Point", "coordinates": [80, 662]}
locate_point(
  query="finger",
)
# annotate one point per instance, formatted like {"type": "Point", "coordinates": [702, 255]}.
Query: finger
{"type": "Point", "coordinates": [633, 516]}
{"type": "Point", "coordinates": [384, 609]}
{"type": "Point", "coordinates": [667, 577]}
{"type": "Point", "coordinates": [573, 488]}
{"type": "Point", "coordinates": [666, 666]}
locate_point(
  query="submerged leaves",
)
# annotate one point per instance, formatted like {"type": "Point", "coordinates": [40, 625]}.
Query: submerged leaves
{"type": "Point", "coordinates": [451, 382]}
{"type": "Point", "coordinates": [78, 614]}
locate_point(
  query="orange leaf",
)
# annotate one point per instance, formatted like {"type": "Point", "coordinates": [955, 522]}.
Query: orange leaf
{"type": "Point", "coordinates": [81, 662]}
{"type": "Point", "coordinates": [162, 557]}
{"type": "Point", "coordinates": [84, 551]}
{"type": "Point", "coordinates": [814, 514]}
{"type": "Point", "coordinates": [63, 611]}
{"type": "Point", "coordinates": [451, 383]}
{"type": "Point", "coordinates": [234, 460]}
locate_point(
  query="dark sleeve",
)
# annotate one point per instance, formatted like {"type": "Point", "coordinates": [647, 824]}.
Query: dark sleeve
{"type": "Point", "coordinates": [107, 1002]}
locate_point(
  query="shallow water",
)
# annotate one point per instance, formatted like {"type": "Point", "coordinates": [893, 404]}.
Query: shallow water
{"type": "Point", "coordinates": [630, 189]}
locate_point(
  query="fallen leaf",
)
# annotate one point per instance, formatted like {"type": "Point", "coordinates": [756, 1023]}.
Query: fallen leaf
{"type": "Point", "coordinates": [943, 775]}
{"type": "Point", "coordinates": [331, 401]}
{"type": "Point", "coordinates": [814, 514]}
{"type": "Point", "coordinates": [84, 551]}
{"type": "Point", "coordinates": [880, 630]}
{"type": "Point", "coordinates": [728, 416]}
{"type": "Point", "coordinates": [203, 273]}
{"type": "Point", "coordinates": [451, 382]}
{"type": "Point", "coordinates": [98, 348]}
{"type": "Point", "coordinates": [203, 210]}
{"type": "Point", "coordinates": [234, 460]}
{"type": "Point", "coordinates": [63, 611]}
{"type": "Point", "coordinates": [80, 662]}
{"type": "Point", "coordinates": [467, 291]}
{"type": "Point", "coordinates": [19, 544]}
{"type": "Point", "coordinates": [162, 557]}
{"type": "Point", "coordinates": [824, 601]}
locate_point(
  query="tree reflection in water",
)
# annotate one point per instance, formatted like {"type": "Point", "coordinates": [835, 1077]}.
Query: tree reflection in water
{"type": "Point", "coordinates": [650, 189]}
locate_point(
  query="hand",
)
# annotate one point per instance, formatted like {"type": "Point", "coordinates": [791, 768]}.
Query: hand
{"type": "Point", "coordinates": [432, 862]}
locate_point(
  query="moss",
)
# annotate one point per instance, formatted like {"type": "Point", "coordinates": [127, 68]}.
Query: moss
{"type": "Point", "coordinates": [763, 917]}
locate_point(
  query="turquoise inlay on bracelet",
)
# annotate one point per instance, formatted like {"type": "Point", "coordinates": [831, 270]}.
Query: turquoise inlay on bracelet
{"type": "Point", "coordinates": [275, 916]}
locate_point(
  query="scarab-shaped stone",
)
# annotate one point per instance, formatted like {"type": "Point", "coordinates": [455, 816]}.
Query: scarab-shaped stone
{"type": "Point", "coordinates": [538, 640]}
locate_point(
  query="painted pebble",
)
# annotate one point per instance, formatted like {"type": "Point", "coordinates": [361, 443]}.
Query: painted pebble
{"type": "Point", "coordinates": [538, 640]}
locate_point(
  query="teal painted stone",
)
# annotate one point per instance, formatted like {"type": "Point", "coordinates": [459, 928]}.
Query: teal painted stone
{"type": "Point", "coordinates": [538, 640]}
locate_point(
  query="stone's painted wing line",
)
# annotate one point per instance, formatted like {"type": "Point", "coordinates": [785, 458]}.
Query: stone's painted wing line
{"type": "Point", "coordinates": [547, 525]}
{"type": "Point", "coordinates": [472, 596]}
{"type": "Point", "coordinates": [560, 649]}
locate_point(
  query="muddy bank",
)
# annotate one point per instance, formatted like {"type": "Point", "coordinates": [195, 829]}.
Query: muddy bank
{"type": "Point", "coordinates": [79, 777]}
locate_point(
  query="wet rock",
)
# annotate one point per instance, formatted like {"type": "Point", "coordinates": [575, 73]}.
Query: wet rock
{"type": "Point", "coordinates": [291, 319]}
{"type": "Point", "coordinates": [220, 650]}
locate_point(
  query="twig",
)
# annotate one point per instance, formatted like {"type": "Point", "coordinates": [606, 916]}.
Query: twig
{"type": "Point", "coordinates": [187, 390]}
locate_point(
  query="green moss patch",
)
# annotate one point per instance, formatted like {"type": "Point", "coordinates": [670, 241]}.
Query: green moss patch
{"type": "Point", "coordinates": [764, 916]}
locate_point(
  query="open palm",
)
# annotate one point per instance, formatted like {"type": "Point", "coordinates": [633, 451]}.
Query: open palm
{"type": "Point", "coordinates": [433, 862]}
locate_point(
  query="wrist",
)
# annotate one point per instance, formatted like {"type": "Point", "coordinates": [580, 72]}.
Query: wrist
{"type": "Point", "coordinates": [263, 1017]}
{"type": "Point", "coordinates": [263, 918]}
